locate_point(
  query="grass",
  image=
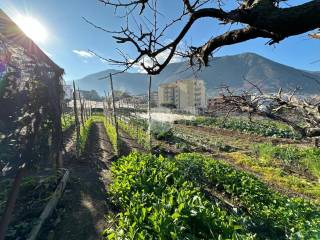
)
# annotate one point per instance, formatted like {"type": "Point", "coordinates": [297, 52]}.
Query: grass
{"type": "Point", "coordinates": [307, 158]}
{"type": "Point", "coordinates": [276, 175]}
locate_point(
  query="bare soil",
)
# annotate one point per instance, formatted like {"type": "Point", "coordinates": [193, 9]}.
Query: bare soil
{"type": "Point", "coordinates": [129, 144]}
{"type": "Point", "coordinates": [81, 212]}
{"type": "Point", "coordinates": [237, 139]}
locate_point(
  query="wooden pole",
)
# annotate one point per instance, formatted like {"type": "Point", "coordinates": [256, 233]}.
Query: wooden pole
{"type": "Point", "coordinates": [105, 103]}
{"type": "Point", "coordinates": [76, 120]}
{"type": "Point", "coordinates": [109, 107]}
{"type": "Point", "coordinates": [114, 115]}
{"type": "Point", "coordinates": [84, 109]}
{"type": "Point", "coordinates": [149, 114]}
{"type": "Point", "coordinates": [81, 108]}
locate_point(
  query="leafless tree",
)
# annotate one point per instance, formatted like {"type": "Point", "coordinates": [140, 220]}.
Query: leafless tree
{"type": "Point", "coordinates": [303, 115]}
{"type": "Point", "coordinates": [274, 20]}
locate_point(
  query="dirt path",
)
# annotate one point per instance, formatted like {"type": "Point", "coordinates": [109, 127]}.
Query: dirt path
{"type": "Point", "coordinates": [81, 211]}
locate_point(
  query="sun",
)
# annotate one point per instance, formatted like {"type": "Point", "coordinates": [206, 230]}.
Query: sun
{"type": "Point", "coordinates": [32, 28]}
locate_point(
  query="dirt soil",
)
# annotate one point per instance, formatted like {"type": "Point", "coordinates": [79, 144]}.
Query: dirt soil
{"type": "Point", "coordinates": [81, 211]}
{"type": "Point", "coordinates": [129, 144]}
{"type": "Point", "coordinates": [236, 139]}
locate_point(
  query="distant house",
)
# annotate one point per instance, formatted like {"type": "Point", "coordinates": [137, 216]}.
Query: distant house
{"type": "Point", "coordinates": [186, 95]}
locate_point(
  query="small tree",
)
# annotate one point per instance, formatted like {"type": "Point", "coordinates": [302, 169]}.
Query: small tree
{"type": "Point", "coordinates": [302, 114]}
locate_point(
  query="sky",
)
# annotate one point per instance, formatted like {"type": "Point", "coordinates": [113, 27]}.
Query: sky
{"type": "Point", "coordinates": [69, 37]}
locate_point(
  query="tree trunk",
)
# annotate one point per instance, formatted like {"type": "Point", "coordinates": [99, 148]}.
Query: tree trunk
{"type": "Point", "coordinates": [6, 218]}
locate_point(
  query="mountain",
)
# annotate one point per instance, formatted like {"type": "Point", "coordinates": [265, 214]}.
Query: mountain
{"type": "Point", "coordinates": [234, 71]}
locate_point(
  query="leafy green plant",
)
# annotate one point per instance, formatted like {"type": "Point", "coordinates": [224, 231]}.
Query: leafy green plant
{"type": "Point", "coordinates": [135, 130]}
{"type": "Point", "coordinates": [260, 127]}
{"type": "Point", "coordinates": [112, 134]}
{"type": "Point", "coordinates": [84, 133]}
{"type": "Point", "coordinates": [157, 202]}
{"type": "Point", "coordinates": [273, 215]}
{"type": "Point", "coordinates": [67, 120]}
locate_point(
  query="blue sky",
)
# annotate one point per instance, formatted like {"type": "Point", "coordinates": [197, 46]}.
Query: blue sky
{"type": "Point", "coordinates": [69, 36]}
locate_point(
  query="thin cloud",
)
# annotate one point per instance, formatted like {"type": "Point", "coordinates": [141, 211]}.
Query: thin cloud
{"type": "Point", "coordinates": [83, 53]}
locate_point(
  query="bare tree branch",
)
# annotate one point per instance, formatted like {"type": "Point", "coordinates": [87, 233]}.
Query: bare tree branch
{"type": "Point", "coordinates": [261, 19]}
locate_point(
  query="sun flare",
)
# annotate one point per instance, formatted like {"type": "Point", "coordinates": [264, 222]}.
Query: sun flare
{"type": "Point", "coordinates": [32, 28]}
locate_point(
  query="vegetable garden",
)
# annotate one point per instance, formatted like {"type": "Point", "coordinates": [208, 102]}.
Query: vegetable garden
{"type": "Point", "coordinates": [208, 178]}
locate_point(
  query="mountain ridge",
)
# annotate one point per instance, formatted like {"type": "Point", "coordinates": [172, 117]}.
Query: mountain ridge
{"type": "Point", "coordinates": [232, 70]}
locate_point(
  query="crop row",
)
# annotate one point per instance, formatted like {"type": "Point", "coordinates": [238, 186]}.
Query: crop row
{"type": "Point", "coordinates": [157, 202]}
{"type": "Point", "coordinates": [203, 142]}
{"type": "Point", "coordinates": [162, 198]}
{"type": "Point", "coordinates": [259, 127]}
{"type": "Point", "coordinates": [67, 120]}
{"type": "Point", "coordinates": [135, 130]}
{"type": "Point", "coordinates": [84, 133]}
{"type": "Point", "coordinates": [272, 215]}
{"type": "Point", "coordinates": [111, 132]}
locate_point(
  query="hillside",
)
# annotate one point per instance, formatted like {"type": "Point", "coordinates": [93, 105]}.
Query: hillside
{"type": "Point", "coordinates": [228, 70]}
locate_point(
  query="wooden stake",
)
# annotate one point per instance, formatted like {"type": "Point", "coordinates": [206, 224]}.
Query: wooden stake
{"type": "Point", "coordinates": [76, 121]}
{"type": "Point", "coordinates": [114, 115]}
{"type": "Point", "coordinates": [81, 108]}
{"type": "Point", "coordinates": [105, 104]}
{"type": "Point", "coordinates": [149, 114]}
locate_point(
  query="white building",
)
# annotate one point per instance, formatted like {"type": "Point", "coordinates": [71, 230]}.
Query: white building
{"type": "Point", "coordinates": [186, 95]}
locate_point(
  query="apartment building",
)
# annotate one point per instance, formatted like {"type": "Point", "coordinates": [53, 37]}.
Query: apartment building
{"type": "Point", "coordinates": [186, 95]}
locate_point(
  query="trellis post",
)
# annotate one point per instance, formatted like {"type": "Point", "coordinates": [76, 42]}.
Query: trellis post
{"type": "Point", "coordinates": [76, 120]}
{"type": "Point", "coordinates": [114, 115]}
{"type": "Point", "coordinates": [81, 108]}
{"type": "Point", "coordinates": [149, 115]}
